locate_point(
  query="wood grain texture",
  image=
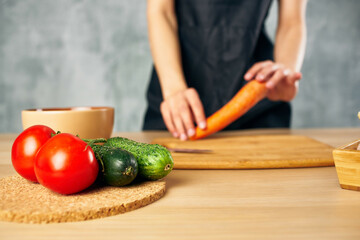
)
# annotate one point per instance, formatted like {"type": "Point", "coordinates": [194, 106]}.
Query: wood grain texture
{"type": "Point", "coordinates": [251, 152]}
{"type": "Point", "coordinates": [26, 202]}
{"type": "Point", "coordinates": [272, 204]}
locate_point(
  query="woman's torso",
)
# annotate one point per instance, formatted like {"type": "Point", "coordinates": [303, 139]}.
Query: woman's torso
{"type": "Point", "coordinates": [220, 40]}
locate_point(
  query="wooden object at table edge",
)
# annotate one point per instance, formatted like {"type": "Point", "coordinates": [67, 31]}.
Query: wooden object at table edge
{"type": "Point", "coordinates": [347, 163]}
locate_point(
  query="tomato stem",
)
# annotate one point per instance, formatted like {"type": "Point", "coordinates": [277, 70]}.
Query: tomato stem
{"type": "Point", "coordinates": [98, 157]}
{"type": "Point", "coordinates": [54, 134]}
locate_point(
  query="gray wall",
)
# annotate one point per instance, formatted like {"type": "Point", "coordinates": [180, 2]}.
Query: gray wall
{"type": "Point", "coordinates": [95, 52]}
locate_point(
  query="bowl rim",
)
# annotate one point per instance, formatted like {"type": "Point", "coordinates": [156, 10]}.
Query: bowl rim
{"type": "Point", "coordinates": [68, 109]}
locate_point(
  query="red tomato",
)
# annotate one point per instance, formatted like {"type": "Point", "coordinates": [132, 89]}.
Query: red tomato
{"type": "Point", "coordinates": [25, 147]}
{"type": "Point", "coordinates": [66, 164]}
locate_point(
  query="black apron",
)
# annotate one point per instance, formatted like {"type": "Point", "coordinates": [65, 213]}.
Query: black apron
{"type": "Point", "coordinates": [220, 40]}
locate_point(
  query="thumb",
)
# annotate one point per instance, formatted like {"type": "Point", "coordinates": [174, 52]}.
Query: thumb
{"type": "Point", "coordinates": [298, 75]}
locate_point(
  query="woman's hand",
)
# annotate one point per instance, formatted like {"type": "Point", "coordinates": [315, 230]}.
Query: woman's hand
{"type": "Point", "coordinates": [180, 111]}
{"type": "Point", "coordinates": [282, 82]}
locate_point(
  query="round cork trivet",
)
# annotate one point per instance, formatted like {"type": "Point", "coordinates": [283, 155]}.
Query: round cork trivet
{"type": "Point", "coordinates": [26, 202]}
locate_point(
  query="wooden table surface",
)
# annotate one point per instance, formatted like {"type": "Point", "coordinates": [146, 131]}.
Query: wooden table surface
{"type": "Point", "coordinates": [305, 203]}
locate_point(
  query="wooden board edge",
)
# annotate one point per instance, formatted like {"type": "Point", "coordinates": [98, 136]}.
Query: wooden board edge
{"type": "Point", "coordinates": [274, 165]}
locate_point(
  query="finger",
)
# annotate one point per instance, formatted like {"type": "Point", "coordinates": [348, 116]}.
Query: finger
{"type": "Point", "coordinates": [251, 73]}
{"type": "Point", "coordinates": [178, 120]}
{"type": "Point", "coordinates": [166, 114]}
{"type": "Point", "coordinates": [267, 72]}
{"type": "Point", "coordinates": [188, 121]}
{"type": "Point", "coordinates": [278, 76]}
{"type": "Point", "coordinates": [196, 108]}
{"type": "Point", "coordinates": [179, 126]}
{"type": "Point", "coordinates": [291, 78]}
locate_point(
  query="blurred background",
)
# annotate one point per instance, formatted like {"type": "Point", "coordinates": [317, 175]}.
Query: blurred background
{"type": "Point", "coordinates": [95, 52]}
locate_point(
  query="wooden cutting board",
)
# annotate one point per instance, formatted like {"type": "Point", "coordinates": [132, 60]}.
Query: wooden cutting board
{"type": "Point", "coordinates": [27, 202]}
{"type": "Point", "coordinates": [251, 152]}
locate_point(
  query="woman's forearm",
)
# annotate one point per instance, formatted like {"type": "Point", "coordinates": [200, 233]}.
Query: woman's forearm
{"type": "Point", "coordinates": [165, 47]}
{"type": "Point", "coordinates": [290, 47]}
{"type": "Point", "coordinates": [291, 34]}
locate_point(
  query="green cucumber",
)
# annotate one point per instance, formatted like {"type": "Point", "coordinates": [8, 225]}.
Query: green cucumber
{"type": "Point", "coordinates": [118, 167]}
{"type": "Point", "coordinates": [154, 161]}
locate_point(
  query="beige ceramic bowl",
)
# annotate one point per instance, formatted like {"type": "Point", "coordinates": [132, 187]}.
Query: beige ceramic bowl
{"type": "Point", "coordinates": [87, 122]}
{"type": "Point", "coordinates": [347, 163]}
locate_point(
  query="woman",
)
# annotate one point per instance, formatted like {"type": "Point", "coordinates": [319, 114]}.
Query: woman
{"type": "Point", "coordinates": [205, 51]}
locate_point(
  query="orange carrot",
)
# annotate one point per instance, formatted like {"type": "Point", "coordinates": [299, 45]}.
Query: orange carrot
{"type": "Point", "coordinates": [244, 99]}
